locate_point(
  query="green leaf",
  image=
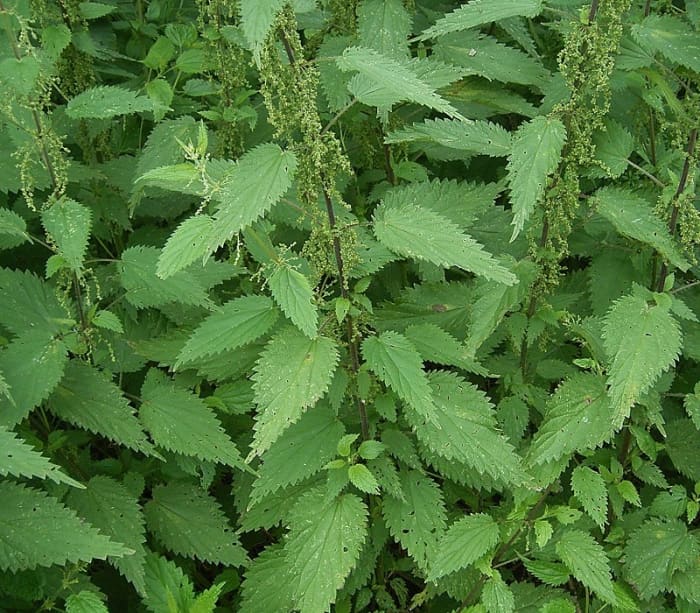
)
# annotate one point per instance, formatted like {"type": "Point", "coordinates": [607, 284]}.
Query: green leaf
{"type": "Point", "coordinates": [496, 596]}
{"type": "Point", "coordinates": [586, 560]}
{"type": "Point", "coordinates": [479, 12]}
{"type": "Point", "coordinates": [613, 146]}
{"type": "Point", "coordinates": [257, 17]}
{"type": "Point", "coordinates": [160, 53]}
{"type": "Point", "coordinates": [37, 530]}
{"type": "Point", "coordinates": [189, 522]}
{"type": "Point", "coordinates": [32, 365]}
{"type": "Point", "coordinates": [106, 101]}
{"type": "Point", "coordinates": [633, 217]}
{"type": "Point", "coordinates": [577, 417]}
{"type": "Point", "coordinates": [21, 460]}
{"type": "Point", "coordinates": [267, 584]}
{"type": "Point", "coordinates": [671, 37]}
{"type": "Point", "coordinates": [189, 242]}
{"type": "Point", "coordinates": [88, 399]}
{"type": "Point", "coordinates": [589, 487]}
{"type": "Point", "coordinates": [475, 137]}
{"type": "Point", "coordinates": [384, 25]}
{"type": "Point", "coordinates": [292, 374]}
{"type": "Point", "coordinates": [237, 323]}
{"type": "Point", "coordinates": [416, 232]}
{"type": "Point", "coordinates": [95, 10]}
{"type": "Point", "coordinates": [181, 422]}
{"type": "Point", "coordinates": [464, 543]}
{"type": "Point", "coordinates": [361, 477]}
{"type": "Point", "coordinates": [393, 358]}
{"type": "Point", "coordinates": [322, 547]}
{"type": "Point", "coordinates": [13, 229]}
{"type": "Point", "coordinates": [109, 506]}
{"type": "Point", "coordinates": [293, 292]}
{"type": "Point", "coordinates": [108, 321]}
{"type": "Point", "coordinates": [418, 521]}
{"type": "Point", "coordinates": [682, 441]}
{"type": "Point", "coordinates": [465, 430]}
{"type": "Point", "coordinates": [85, 601]}
{"type": "Point", "coordinates": [436, 345]}
{"type": "Point", "coordinates": [655, 551]}
{"type": "Point", "coordinates": [68, 222]}
{"type": "Point", "coordinates": [551, 573]}
{"type": "Point", "coordinates": [302, 451]}
{"type": "Point", "coordinates": [537, 148]}
{"type": "Point", "coordinates": [396, 80]}
{"type": "Point", "coordinates": [167, 587]}
{"type": "Point", "coordinates": [642, 340]}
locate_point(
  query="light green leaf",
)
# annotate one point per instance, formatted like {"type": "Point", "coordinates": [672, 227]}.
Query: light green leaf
{"type": "Point", "coordinates": [267, 585]}
{"type": "Point", "coordinates": [496, 595]}
{"type": "Point", "coordinates": [463, 544]}
{"type": "Point", "coordinates": [108, 321]}
{"type": "Point", "coordinates": [13, 229]}
{"type": "Point", "coordinates": [589, 487]}
{"type": "Point", "coordinates": [418, 521]}
{"type": "Point", "coordinates": [95, 10]}
{"type": "Point", "coordinates": [634, 218]}
{"type": "Point", "coordinates": [550, 573]}
{"type": "Point", "coordinates": [21, 460]}
{"type": "Point", "coordinates": [586, 560]}
{"type": "Point", "coordinates": [292, 291]}
{"type": "Point", "coordinates": [189, 522]}
{"type": "Point", "coordinates": [292, 374]}
{"type": "Point", "coordinates": [37, 530]}
{"type": "Point", "coordinates": [160, 53]}
{"type": "Point", "coordinates": [237, 323]}
{"type": "Point", "coordinates": [106, 101]}
{"type": "Point", "coordinates": [479, 12]}
{"type": "Point", "coordinates": [536, 153]}
{"type": "Point", "coordinates": [68, 222]}
{"type": "Point", "coordinates": [85, 601]}
{"type": "Point", "coordinates": [642, 339]}
{"type": "Point", "coordinates": [257, 17]}
{"type": "Point", "coordinates": [361, 477]}
{"type": "Point", "coordinates": [384, 25]}
{"type": "Point", "coordinates": [613, 145]}
{"type": "Point", "coordinates": [397, 363]}
{"type": "Point", "coordinates": [416, 232]}
{"type": "Point", "coordinates": [181, 422]}
{"type": "Point", "coordinates": [109, 506]}
{"type": "Point", "coordinates": [189, 242]}
{"type": "Point", "coordinates": [436, 345]}
{"type": "Point", "coordinates": [671, 37]}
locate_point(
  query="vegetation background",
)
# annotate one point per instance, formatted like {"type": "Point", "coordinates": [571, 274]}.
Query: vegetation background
{"type": "Point", "coordinates": [372, 305]}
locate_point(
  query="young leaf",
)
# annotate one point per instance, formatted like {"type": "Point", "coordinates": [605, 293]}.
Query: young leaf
{"type": "Point", "coordinates": [416, 232]}
{"type": "Point", "coordinates": [536, 153]}
{"type": "Point", "coordinates": [642, 341]}
{"type": "Point", "coordinates": [68, 222]}
{"type": "Point", "coordinates": [292, 374]}
{"type": "Point", "coordinates": [19, 459]}
{"type": "Point", "coordinates": [292, 291]}
{"type": "Point", "coordinates": [37, 530]}
{"type": "Point", "coordinates": [586, 560]}
{"type": "Point", "coordinates": [191, 523]}
{"type": "Point", "coordinates": [105, 102]}
{"type": "Point", "coordinates": [361, 477]}
{"type": "Point", "coordinates": [464, 543]}
{"type": "Point", "coordinates": [85, 601]}
{"type": "Point", "coordinates": [589, 487]}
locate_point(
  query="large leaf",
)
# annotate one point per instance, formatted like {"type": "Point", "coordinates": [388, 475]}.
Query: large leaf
{"type": "Point", "coordinates": [384, 25]}
{"type": "Point", "coordinates": [293, 372]}
{"type": "Point", "coordinates": [536, 153]}
{"type": "Point", "coordinates": [106, 101]}
{"type": "Point", "coordinates": [267, 585]}
{"type": "Point", "coordinates": [586, 560]}
{"type": "Point", "coordinates": [671, 37]}
{"type": "Point", "coordinates": [68, 222]}
{"type": "Point", "coordinates": [416, 232]}
{"type": "Point", "coordinates": [37, 530]}
{"type": "Point", "coordinates": [642, 339]}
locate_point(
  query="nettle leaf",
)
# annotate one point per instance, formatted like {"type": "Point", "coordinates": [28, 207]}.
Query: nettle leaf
{"type": "Point", "coordinates": [322, 547]}
{"type": "Point", "coordinates": [257, 17]}
{"type": "Point", "coordinates": [436, 345]}
{"type": "Point", "coordinates": [383, 81]}
{"type": "Point", "coordinates": [108, 505]}
{"type": "Point", "coordinates": [613, 146]}
{"type": "Point", "coordinates": [642, 339]}
{"type": "Point", "coordinates": [633, 217]}
{"type": "Point", "coordinates": [293, 292]}
{"type": "Point", "coordinates": [671, 37]}
{"type": "Point", "coordinates": [166, 586]}
{"type": "Point", "coordinates": [181, 422]}
{"type": "Point", "coordinates": [416, 232]}
{"type": "Point", "coordinates": [464, 543]}
{"type": "Point", "coordinates": [497, 596]}
{"type": "Point", "coordinates": [475, 137]}
{"type": "Point", "coordinates": [37, 530]}
{"type": "Point", "coordinates": [418, 521]}
{"type": "Point", "coordinates": [69, 222]}
{"type": "Point", "coordinates": [464, 429]}
{"type": "Point", "coordinates": [21, 460]}
{"type": "Point", "coordinates": [237, 323]}
{"type": "Point", "coordinates": [267, 584]}
{"type": "Point", "coordinates": [479, 12]}
{"type": "Point", "coordinates": [188, 243]}
{"type": "Point", "coordinates": [537, 148]}
{"type": "Point", "coordinates": [32, 365]}
{"type": "Point", "coordinates": [397, 363]}
{"type": "Point", "coordinates": [86, 601]}
{"type": "Point", "coordinates": [586, 560]}
{"type": "Point", "coordinates": [189, 522]}
{"type": "Point", "coordinates": [106, 101]}
{"type": "Point", "coordinates": [13, 229]}
{"type": "Point", "coordinates": [88, 399]}
{"type": "Point", "coordinates": [384, 25]}
{"type": "Point", "coordinates": [655, 551]}
{"type": "Point", "coordinates": [589, 487]}
{"type": "Point", "coordinates": [577, 417]}
{"type": "Point", "coordinates": [292, 374]}
{"type": "Point", "coordinates": [302, 451]}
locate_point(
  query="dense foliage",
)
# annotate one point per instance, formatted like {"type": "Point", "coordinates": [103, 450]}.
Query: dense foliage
{"type": "Point", "coordinates": [362, 305]}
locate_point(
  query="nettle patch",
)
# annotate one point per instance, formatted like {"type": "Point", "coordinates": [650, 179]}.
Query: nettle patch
{"type": "Point", "coordinates": [372, 305]}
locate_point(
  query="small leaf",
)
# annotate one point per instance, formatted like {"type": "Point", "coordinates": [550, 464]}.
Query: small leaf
{"type": "Point", "coordinates": [363, 479]}
{"type": "Point", "coordinates": [589, 488]}
{"type": "Point", "coordinates": [586, 560]}
{"type": "Point", "coordinates": [293, 292]}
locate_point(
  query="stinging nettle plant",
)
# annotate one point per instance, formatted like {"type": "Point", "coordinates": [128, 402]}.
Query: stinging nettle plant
{"type": "Point", "coordinates": [374, 305]}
